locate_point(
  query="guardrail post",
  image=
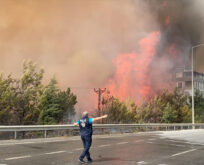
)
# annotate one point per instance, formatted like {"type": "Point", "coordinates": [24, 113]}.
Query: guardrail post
{"type": "Point", "coordinates": [15, 134]}
{"type": "Point", "coordinates": [45, 134]}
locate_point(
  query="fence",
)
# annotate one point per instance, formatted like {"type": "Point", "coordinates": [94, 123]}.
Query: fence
{"type": "Point", "coordinates": [143, 127]}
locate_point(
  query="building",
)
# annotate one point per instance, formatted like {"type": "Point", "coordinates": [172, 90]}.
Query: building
{"type": "Point", "coordinates": [183, 80]}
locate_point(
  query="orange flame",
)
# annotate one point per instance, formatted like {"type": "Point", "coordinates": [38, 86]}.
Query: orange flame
{"type": "Point", "coordinates": [131, 76]}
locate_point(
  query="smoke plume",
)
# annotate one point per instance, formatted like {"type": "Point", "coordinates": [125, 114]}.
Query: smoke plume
{"type": "Point", "coordinates": [81, 42]}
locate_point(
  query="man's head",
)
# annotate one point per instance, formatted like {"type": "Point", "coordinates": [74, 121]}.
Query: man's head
{"type": "Point", "coordinates": [85, 114]}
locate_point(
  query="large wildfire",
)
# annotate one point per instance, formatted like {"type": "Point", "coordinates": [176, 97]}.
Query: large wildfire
{"type": "Point", "coordinates": [129, 47]}
{"type": "Point", "coordinates": [131, 78]}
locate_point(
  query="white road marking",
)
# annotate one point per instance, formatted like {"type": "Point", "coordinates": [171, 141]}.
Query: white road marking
{"type": "Point", "coordinates": [191, 143]}
{"type": "Point", "coordinates": [162, 164]}
{"type": "Point", "coordinates": [177, 145]}
{"type": "Point", "coordinates": [137, 141]}
{"type": "Point", "coordinates": [104, 145]}
{"type": "Point", "coordinates": [16, 143]}
{"type": "Point", "coordinates": [142, 162]}
{"type": "Point", "coordinates": [122, 143]}
{"type": "Point", "coordinates": [183, 152]}
{"type": "Point", "coordinates": [36, 142]}
{"type": "Point", "coordinates": [150, 142]}
{"type": "Point", "coordinates": [56, 152]}
{"type": "Point", "coordinates": [151, 139]}
{"type": "Point", "coordinates": [117, 135]}
{"type": "Point", "coordinates": [19, 157]}
{"type": "Point", "coordinates": [194, 143]}
{"type": "Point", "coordinates": [3, 164]}
{"type": "Point", "coordinates": [175, 141]}
{"type": "Point", "coordinates": [77, 149]}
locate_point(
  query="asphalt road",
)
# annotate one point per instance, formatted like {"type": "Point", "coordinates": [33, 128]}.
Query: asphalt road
{"type": "Point", "coordinates": [155, 148]}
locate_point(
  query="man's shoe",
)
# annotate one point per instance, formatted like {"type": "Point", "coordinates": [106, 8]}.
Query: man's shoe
{"type": "Point", "coordinates": [81, 161]}
{"type": "Point", "coordinates": [89, 160]}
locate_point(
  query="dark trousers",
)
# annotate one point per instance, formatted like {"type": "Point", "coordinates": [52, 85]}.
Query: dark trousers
{"type": "Point", "coordinates": [86, 140]}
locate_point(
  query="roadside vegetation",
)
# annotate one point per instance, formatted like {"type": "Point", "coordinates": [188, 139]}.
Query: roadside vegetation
{"type": "Point", "coordinates": [26, 101]}
{"type": "Point", "coordinates": [166, 107]}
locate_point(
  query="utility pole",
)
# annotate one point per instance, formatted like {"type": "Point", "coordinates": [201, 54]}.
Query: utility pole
{"type": "Point", "coordinates": [193, 118]}
{"type": "Point", "coordinates": [99, 91]}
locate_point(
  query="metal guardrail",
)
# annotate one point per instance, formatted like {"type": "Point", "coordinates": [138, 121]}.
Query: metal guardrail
{"type": "Point", "coordinates": [46, 128]}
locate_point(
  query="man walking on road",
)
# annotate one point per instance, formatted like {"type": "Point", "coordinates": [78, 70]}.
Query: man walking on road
{"type": "Point", "coordinates": [85, 125]}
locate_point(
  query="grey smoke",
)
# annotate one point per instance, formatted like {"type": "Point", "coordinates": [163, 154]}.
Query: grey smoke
{"type": "Point", "coordinates": [77, 40]}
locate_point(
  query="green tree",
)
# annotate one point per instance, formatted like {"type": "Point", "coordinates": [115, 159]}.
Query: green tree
{"type": "Point", "coordinates": [7, 95]}
{"type": "Point", "coordinates": [67, 101]}
{"type": "Point", "coordinates": [166, 107]}
{"type": "Point", "coordinates": [169, 107]}
{"type": "Point", "coordinates": [27, 101]}
{"type": "Point", "coordinates": [181, 106]}
{"type": "Point", "coordinates": [168, 114]}
{"type": "Point", "coordinates": [199, 106]}
{"type": "Point", "coordinates": [118, 112]}
{"type": "Point", "coordinates": [29, 87]}
{"type": "Point", "coordinates": [54, 103]}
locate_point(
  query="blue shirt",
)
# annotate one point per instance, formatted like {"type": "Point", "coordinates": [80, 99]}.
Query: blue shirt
{"type": "Point", "coordinates": [85, 125]}
{"type": "Point", "coordinates": [90, 121]}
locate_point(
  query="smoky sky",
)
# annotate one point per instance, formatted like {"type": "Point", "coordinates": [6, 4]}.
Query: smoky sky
{"type": "Point", "coordinates": [76, 40]}
{"type": "Point", "coordinates": [185, 28]}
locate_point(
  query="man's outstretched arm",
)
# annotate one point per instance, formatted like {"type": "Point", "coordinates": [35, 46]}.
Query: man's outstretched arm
{"type": "Point", "coordinates": [99, 118]}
